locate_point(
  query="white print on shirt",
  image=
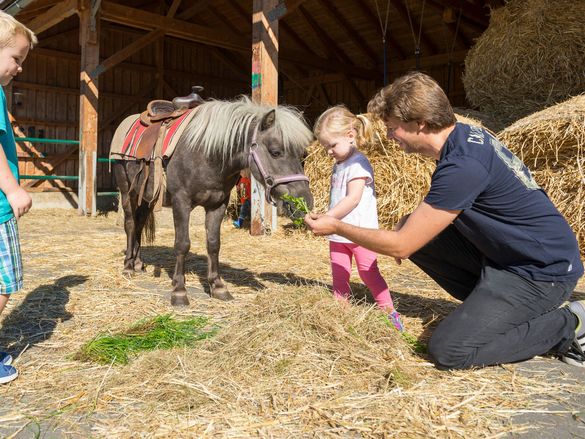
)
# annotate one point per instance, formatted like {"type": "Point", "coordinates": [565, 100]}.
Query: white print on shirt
{"type": "Point", "coordinates": [475, 135]}
{"type": "Point", "coordinates": [515, 164]}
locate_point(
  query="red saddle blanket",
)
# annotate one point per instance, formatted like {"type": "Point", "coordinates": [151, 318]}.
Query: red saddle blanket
{"type": "Point", "coordinates": [127, 149]}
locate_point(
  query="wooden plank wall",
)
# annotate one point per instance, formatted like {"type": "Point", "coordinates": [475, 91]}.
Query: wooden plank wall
{"type": "Point", "coordinates": [49, 88]}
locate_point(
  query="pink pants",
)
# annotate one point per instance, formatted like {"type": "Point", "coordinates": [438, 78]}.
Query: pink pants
{"type": "Point", "coordinates": [367, 264]}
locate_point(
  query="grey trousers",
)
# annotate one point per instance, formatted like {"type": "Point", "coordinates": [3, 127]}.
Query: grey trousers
{"type": "Point", "coordinates": [503, 317]}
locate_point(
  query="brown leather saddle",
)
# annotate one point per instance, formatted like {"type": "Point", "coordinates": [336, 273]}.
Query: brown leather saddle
{"type": "Point", "coordinates": [159, 116]}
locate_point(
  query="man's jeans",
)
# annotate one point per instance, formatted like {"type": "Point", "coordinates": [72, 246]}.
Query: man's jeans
{"type": "Point", "coordinates": [503, 318]}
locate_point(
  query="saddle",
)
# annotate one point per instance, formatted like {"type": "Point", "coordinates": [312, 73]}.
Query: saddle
{"type": "Point", "coordinates": [161, 114]}
{"type": "Point", "coordinates": [159, 117]}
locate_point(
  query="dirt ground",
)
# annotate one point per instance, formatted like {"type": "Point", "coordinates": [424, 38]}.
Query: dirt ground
{"type": "Point", "coordinates": [74, 289]}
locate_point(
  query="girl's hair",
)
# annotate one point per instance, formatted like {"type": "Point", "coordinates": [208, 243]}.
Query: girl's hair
{"type": "Point", "coordinates": [10, 27]}
{"type": "Point", "coordinates": [414, 97]}
{"type": "Point", "coordinates": [338, 120]}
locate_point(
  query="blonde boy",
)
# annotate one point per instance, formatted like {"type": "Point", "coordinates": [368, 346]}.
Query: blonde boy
{"type": "Point", "coordinates": [15, 42]}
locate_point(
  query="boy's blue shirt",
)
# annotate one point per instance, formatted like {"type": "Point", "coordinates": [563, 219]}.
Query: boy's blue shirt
{"type": "Point", "coordinates": [9, 147]}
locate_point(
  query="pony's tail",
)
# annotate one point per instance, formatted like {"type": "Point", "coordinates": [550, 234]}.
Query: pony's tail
{"type": "Point", "coordinates": [149, 230]}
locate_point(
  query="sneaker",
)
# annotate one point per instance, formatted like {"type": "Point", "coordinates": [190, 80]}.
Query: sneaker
{"type": "Point", "coordinates": [394, 317]}
{"type": "Point", "coordinates": [7, 373]}
{"type": "Point", "coordinates": [237, 223]}
{"type": "Point", "coordinates": [5, 358]}
{"type": "Point", "coordinates": [576, 355]}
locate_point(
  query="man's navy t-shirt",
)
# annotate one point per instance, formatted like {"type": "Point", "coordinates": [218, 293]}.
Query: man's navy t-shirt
{"type": "Point", "coordinates": [505, 214]}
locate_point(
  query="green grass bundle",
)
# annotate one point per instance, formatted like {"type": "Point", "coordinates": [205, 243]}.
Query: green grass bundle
{"type": "Point", "coordinates": [160, 332]}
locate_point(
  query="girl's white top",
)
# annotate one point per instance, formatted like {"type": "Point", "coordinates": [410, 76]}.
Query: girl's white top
{"type": "Point", "coordinates": [365, 214]}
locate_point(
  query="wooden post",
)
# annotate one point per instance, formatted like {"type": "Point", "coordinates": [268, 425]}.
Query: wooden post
{"type": "Point", "coordinates": [264, 90]}
{"type": "Point", "coordinates": [89, 39]}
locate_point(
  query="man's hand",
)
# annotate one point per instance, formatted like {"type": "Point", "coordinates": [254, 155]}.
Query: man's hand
{"type": "Point", "coordinates": [321, 224]}
{"type": "Point", "coordinates": [397, 227]}
{"type": "Point", "coordinates": [20, 201]}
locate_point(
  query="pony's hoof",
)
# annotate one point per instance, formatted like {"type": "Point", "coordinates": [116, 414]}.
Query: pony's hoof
{"type": "Point", "coordinates": [179, 299]}
{"type": "Point", "coordinates": [127, 273]}
{"type": "Point", "coordinates": [222, 294]}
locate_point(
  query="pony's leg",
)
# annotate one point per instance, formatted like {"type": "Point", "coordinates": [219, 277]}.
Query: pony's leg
{"type": "Point", "coordinates": [213, 218]}
{"type": "Point", "coordinates": [142, 215]}
{"type": "Point", "coordinates": [128, 207]}
{"type": "Point", "coordinates": [181, 213]}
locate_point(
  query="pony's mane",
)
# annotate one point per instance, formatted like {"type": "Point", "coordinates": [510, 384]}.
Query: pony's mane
{"type": "Point", "coordinates": [222, 128]}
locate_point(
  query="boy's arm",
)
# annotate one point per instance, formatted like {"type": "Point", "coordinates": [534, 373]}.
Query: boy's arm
{"type": "Point", "coordinates": [355, 189]}
{"type": "Point", "coordinates": [17, 197]}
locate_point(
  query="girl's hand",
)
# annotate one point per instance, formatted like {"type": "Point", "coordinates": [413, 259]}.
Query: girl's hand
{"type": "Point", "coordinates": [321, 224]}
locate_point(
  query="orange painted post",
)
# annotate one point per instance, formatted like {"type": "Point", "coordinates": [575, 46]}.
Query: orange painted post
{"type": "Point", "coordinates": [88, 108]}
{"type": "Point", "coordinates": [264, 90]}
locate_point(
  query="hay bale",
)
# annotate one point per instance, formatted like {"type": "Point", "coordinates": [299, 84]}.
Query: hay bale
{"type": "Point", "coordinates": [530, 57]}
{"type": "Point", "coordinates": [401, 179]}
{"type": "Point", "coordinates": [552, 144]}
{"type": "Point", "coordinates": [475, 117]}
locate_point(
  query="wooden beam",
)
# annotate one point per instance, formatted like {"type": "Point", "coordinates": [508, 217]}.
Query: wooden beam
{"type": "Point", "coordinates": [88, 109]}
{"type": "Point", "coordinates": [342, 23]}
{"type": "Point", "coordinates": [173, 9]}
{"type": "Point", "coordinates": [326, 41]}
{"type": "Point", "coordinates": [374, 22]}
{"type": "Point", "coordinates": [264, 91]}
{"type": "Point", "coordinates": [55, 15]}
{"type": "Point", "coordinates": [133, 17]}
{"type": "Point", "coordinates": [190, 12]}
{"type": "Point", "coordinates": [407, 15]}
{"type": "Point", "coordinates": [477, 15]}
{"type": "Point", "coordinates": [127, 51]}
{"type": "Point", "coordinates": [52, 163]}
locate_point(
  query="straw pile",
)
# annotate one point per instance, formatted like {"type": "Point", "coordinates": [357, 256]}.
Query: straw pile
{"type": "Point", "coordinates": [401, 179]}
{"type": "Point", "coordinates": [552, 144]}
{"type": "Point", "coordinates": [531, 56]}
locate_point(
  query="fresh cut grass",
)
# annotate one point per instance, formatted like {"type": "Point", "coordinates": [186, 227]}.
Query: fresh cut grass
{"type": "Point", "coordinates": [159, 332]}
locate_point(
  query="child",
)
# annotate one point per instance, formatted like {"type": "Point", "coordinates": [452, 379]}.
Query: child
{"type": "Point", "coordinates": [15, 42]}
{"type": "Point", "coordinates": [352, 200]}
{"type": "Point", "coordinates": [243, 187]}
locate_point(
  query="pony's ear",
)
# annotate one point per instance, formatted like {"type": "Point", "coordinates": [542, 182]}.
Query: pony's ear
{"type": "Point", "coordinates": [268, 120]}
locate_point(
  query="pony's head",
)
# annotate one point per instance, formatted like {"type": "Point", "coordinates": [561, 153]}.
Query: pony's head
{"type": "Point", "coordinates": [278, 146]}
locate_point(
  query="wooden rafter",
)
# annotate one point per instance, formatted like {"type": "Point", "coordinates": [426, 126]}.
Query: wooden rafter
{"type": "Point", "coordinates": [173, 9]}
{"type": "Point", "coordinates": [407, 15]}
{"type": "Point", "coordinates": [127, 51]}
{"type": "Point", "coordinates": [342, 23]}
{"type": "Point", "coordinates": [375, 24]}
{"type": "Point", "coordinates": [475, 14]}
{"type": "Point", "coordinates": [300, 41]}
{"type": "Point", "coordinates": [173, 27]}
{"type": "Point", "coordinates": [55, 15]}
{"type": "Point", "coordinates": [190, 12]}
{"type": "Point", "coordinates": [328, 44]}
{"type": "Point", "coordinates": [440, 7]}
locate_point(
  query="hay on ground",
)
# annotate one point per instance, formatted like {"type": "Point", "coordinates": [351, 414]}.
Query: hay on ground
{"type": "Point", "coordinates": [530, 57]}
{"type": "Point", "coordinates": [552, 144]}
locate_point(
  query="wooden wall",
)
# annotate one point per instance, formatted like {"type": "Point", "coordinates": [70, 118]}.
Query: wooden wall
{"type": "Point", "coordinates": [49, 91]}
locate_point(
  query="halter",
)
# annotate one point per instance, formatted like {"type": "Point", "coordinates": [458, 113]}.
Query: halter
{"type": "Point", "coordinates": [269, 181]}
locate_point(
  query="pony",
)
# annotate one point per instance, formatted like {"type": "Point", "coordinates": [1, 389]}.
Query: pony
{"type": "Point", "coordinates": [221, 139]}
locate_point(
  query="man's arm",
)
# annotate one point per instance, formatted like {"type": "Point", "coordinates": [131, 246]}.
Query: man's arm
{"type": "Point", "coordinates": [422, 225]}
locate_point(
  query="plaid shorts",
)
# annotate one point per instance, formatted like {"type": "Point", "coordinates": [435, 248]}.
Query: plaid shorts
{"type": "Point", "coordinates": [10, 258]}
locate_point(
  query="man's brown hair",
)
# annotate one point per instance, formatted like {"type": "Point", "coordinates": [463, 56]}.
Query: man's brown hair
{"type": "Point", "coordinates": [414, 97]}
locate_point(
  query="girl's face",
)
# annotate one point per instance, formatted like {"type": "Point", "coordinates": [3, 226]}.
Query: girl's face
{"type": "Point", "coordinates": [12, 57]}
{"type": "Point", "coordinates": [340, 147]}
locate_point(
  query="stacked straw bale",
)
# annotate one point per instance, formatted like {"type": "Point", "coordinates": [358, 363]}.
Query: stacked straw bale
{"type": "Point", "coordinates": [531, 56]}
{"type": "Point", "coordinates": [401, 179]}
{"type": "Point", "coordinates": [551, 143]}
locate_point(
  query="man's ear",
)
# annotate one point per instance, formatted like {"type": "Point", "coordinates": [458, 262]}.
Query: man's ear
{"type": "Point", "coordinates": [421, 125]}
{"type": "Point", "coordinates": [268, 120]}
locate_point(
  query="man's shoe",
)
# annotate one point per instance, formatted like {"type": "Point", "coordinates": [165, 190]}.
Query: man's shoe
{"type": "Point", "coordinates": [576, 355]}
{"type": "Point", "coordinates": [7, 374]}
{"type": "Point", "coordinates": [5, 358]}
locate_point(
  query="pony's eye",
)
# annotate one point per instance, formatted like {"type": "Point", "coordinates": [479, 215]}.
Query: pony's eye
{"type": "Point", "coordinates": [275, 153]}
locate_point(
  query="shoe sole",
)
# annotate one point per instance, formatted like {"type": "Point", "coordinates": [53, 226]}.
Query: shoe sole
{"type": "Point", "coordinates": [9, 378]}
{"type": "Point", "coordinates": [572, 361]}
